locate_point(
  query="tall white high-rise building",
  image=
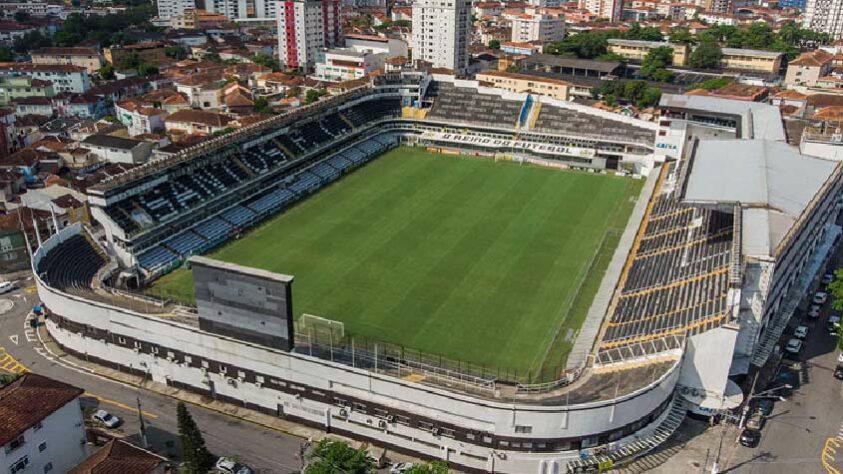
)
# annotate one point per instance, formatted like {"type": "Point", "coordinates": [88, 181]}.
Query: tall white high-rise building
{"type": "Point", "coordinates": [441, 32]}
{"type": "Point", "coordinates": [609, 9]}
{"type": "Point", "coordinates": [170, 8]}
{"type": "Point", "coordinates": [537, 25]}
{"type": "Point", "coordinates": [304, 28]}
{"type": "Point", "coordinates": [825, 16]}
{"type": "Point", "coordinates": [243, 10]}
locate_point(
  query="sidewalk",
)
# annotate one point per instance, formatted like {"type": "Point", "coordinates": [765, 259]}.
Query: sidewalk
{"type": "Point", "coordinates": [227, 409]}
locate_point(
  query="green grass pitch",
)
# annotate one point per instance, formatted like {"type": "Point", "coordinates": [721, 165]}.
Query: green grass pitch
{"type": "Point", "coordinates": [471, 259]}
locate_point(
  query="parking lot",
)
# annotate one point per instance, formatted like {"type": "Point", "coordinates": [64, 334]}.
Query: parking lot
{"type": "Point", "coordinates": [793, 435]}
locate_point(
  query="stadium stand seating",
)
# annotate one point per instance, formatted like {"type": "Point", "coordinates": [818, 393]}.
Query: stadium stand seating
{"type": "Point", "coordinates": [561, 120]}
{"type": "Point", "coordinates": [214, 230]}
{"type": "Point", "coordinates": [467, 105]}
{"type": "Point", "coordinates": [72, 265]}
{"type": "Point", "coordinates": [186, 243]}
{"type": "Point", "coordinates": [239, 216]}
{"type": "Point", "coordinates": [678, 279]}
{"type": "Point", "coordinates": [365, 112]}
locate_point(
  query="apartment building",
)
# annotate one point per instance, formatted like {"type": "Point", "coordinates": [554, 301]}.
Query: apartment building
{"type": "Point", "coordinates": [153, 52]}
{"type": "Point", "coordinates": [608, 9]}
{"type": "Point", "coordinates": [824, 16]}
{"type": "Point", "coordinates": [516, 82]}
{"type": "Point", "coordinates": [88, 58]}
{"type": "Point", "coordinates": [441, 32]}
{"type": "Point", "coordinates": [17, 87]}
{"type": "Point", "coordinates": [637, 50]}
{"type": "Point", "coordinates": [244, 10]}
{"type": "Point", "coordinates": [362, 55]}
{"type": "Point", "coordinates": [168, 9]}
{"type": "Point", "coordinates": [304, 28]}
{"type": "Point", "coordinates": [536, 25]}
{"type": "Point", "coordinates": [65, 78]}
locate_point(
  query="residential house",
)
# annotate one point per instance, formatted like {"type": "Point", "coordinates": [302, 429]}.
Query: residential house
{"type": "Point", "coordinates": [43, 428]}
{"type": "Point", "coordinates": [120, 456]}
{"type": "Point", "coordinates": [88, 58]}
{"type": "Point", "coordinates": [139, 118]}
{"type": "Point", "coordinates": [34, 105]}
{"type": "Point", "coordinates": [196, 122]}
{"type": "Point", "coordinates": [808, 68]}
{"type": "Point", "coordinates": [13, 88]}
{"type": "Point", "coordinates": [118, 149]}
{"type": "Point", "coordinates": [64, 78]}
{"type": "Point", "coordinates": [153, 52]}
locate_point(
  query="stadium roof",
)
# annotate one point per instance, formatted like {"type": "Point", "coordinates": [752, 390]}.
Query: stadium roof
{"type": "Point", "coordinates": [760, 121]}
{"type": "Point", "coordinates": [771, 181]}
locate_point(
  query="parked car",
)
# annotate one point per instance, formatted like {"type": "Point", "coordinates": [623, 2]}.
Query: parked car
{"type": "Point", "coordinates": [6, 286]}
{"type": "Point", "coordinates": [106, 419]}
{"type": "Point", "coordinates": [794, 346]}
{"type": "Point", "coordinates": [814, 312]}
{"type": "Point", "coordinates": [801, 332]}
{"type": "Point", "coordinates": [827, 278]}
{"type": "Point", "coordinates": [401, 468]}
{"type": "Point", "coordinates": [756, 421]}
{"type": "Point", "coordinates": [820, 297]}
{"type": "Point", "coordinates": [230, 466]}
{"type": "Point", "coordinates": [750, 438]}
{"type": "Point", "coordinates": [786, 377]}
{"type": "Point", "coordinates": [840, 358]}
{"type": "Point", "coordinates": [838, 372]}
{"type": "Point", "coordinates": [833, 323]}
{"type": "Point", "coordinates": [765, 406]}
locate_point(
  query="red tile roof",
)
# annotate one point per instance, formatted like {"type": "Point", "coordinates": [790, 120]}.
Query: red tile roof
{"type": "Point", "coordinates": [30, 399]}
{"type": "Point", "coordinates": [118, 456]}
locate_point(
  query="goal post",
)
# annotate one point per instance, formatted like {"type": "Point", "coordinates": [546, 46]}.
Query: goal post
{"type": "Point", "coordinates": [320, 329]}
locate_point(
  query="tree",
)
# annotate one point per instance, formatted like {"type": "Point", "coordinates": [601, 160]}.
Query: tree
{"type": "Point", "coordinates": [294, 91]}
{"type": "Point", "coordinates": [176, 51]}
{"type": "Point", "coordinates": [655, 63]}
{"type": "Point", "coordinates": [30, 41]}
{"type": "Point", "coordinates": [22, 16]}
{"type": "Point", "coordinates": [650, 97]}
{"type": "Point", "coordinates": [196, 459]}
{"type": "Point", "coordinates": [835, 288]}
{"type": "Point", "coordinates": [495, 44]}
{"type": "Point", "coordinates": [313, 95]}
{"type": "Point", "coordinates": [266, 60]}
{"type": "Point", "coordinates": [331, 456]}
{"type": "Point", "coordinates": [712, 84]}
{"type": "Point", "coordinates": [582, 45]}
{"type": "Point", "coordinates": [649, 33]}
{"type": "Point", "coordinates": [6, 54]}
{"type": "Point", "coordinates": [106, 72]}
{"type": "Point", "coordinates": [706, 56]}
{"type": "Point", "coordinates": [681, 35]}
{"type": "Point", "coordinates": [436, 467]}
{"type": "Point", "coordinates": [262, 106]}
{"type": "Point", "coordinates": [147, 69]}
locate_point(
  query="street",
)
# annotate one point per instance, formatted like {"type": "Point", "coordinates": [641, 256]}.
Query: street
{"type": "Point", "coordinates": [263, 449]}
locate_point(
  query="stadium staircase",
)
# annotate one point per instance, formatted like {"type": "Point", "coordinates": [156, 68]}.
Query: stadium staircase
{"type": "Point", "coordinates": [346, 120]}
{"type": "Point", "coordinates": [98, 248]}
{"type": "Point", "coordinates": [283, 148]}
{"type": "Point", "coordinates": [636, 449]}
{"type": "Point", "coordinates": [243, 166]}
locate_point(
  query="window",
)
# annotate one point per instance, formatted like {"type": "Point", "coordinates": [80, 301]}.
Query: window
{"type": "Point", "coordinates": [523, 429]}
{"type": "Point", "coordinates": [19, 465]}
{"type": "Point", "coordinates": [37, 426]}
{"type": "Point", "coordinates": [42, 446]}
{"type": "Point", "coordinates": [15, 444]}
{"type": "Point", "coordinates": [48, 467]}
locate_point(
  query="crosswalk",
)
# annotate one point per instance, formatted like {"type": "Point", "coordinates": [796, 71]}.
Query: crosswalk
{"type": "Point", "coordinates": [10, 364]}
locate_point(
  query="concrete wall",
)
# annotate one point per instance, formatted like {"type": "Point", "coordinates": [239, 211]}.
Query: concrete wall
{"type": "Point", "coordinates": [311, 385]}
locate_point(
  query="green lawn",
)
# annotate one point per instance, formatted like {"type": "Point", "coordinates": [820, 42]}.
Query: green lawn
{"type": "Point", "coordinates": [467, 258]}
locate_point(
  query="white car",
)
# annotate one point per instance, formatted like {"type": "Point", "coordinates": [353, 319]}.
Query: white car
{"type": "Point", "coordinates": [401, 468]}
{"type": "Point", "coordinates": [820, 297]}
{"type": "Point", "coordinates": [840, 358]}
{"type": "Point", "coordinates": [814, 312]}
{"type": "Point", "coordinates": [105, 418]}
{"type": "Point", "coordinates": [827, 278]}
{"type": "Point", "coordinates": [230, 466]}
{"type": "Point", "coordinates": [801, 332]}
{"type": "Point", "coordinates": [6, 286]}
{"type": "Point", "coordinates": [794, 346]}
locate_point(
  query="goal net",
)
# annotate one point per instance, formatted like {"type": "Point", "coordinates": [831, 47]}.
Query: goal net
{"type": "Point", "coordinates": [321, 330]}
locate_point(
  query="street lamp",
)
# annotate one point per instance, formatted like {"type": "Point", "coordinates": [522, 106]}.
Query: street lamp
{"type": "Point", "coordinates": [764, 394]}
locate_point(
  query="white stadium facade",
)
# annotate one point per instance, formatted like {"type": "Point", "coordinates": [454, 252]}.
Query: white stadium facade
{"type": "Point", "coordinates": [732, 223]}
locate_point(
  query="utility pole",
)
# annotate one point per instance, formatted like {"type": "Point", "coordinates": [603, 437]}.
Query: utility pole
{"type": "Point", "coordinates": [142, 426]}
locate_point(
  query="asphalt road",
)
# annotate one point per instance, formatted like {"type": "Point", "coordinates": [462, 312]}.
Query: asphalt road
{"type": "Point", "coordinates": [265, 450]}
{"type": "Point", "coordinates": [795, 433]}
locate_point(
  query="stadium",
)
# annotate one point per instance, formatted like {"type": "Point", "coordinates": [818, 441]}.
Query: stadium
{"type": "Point", "coordinates": [505, 281]}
